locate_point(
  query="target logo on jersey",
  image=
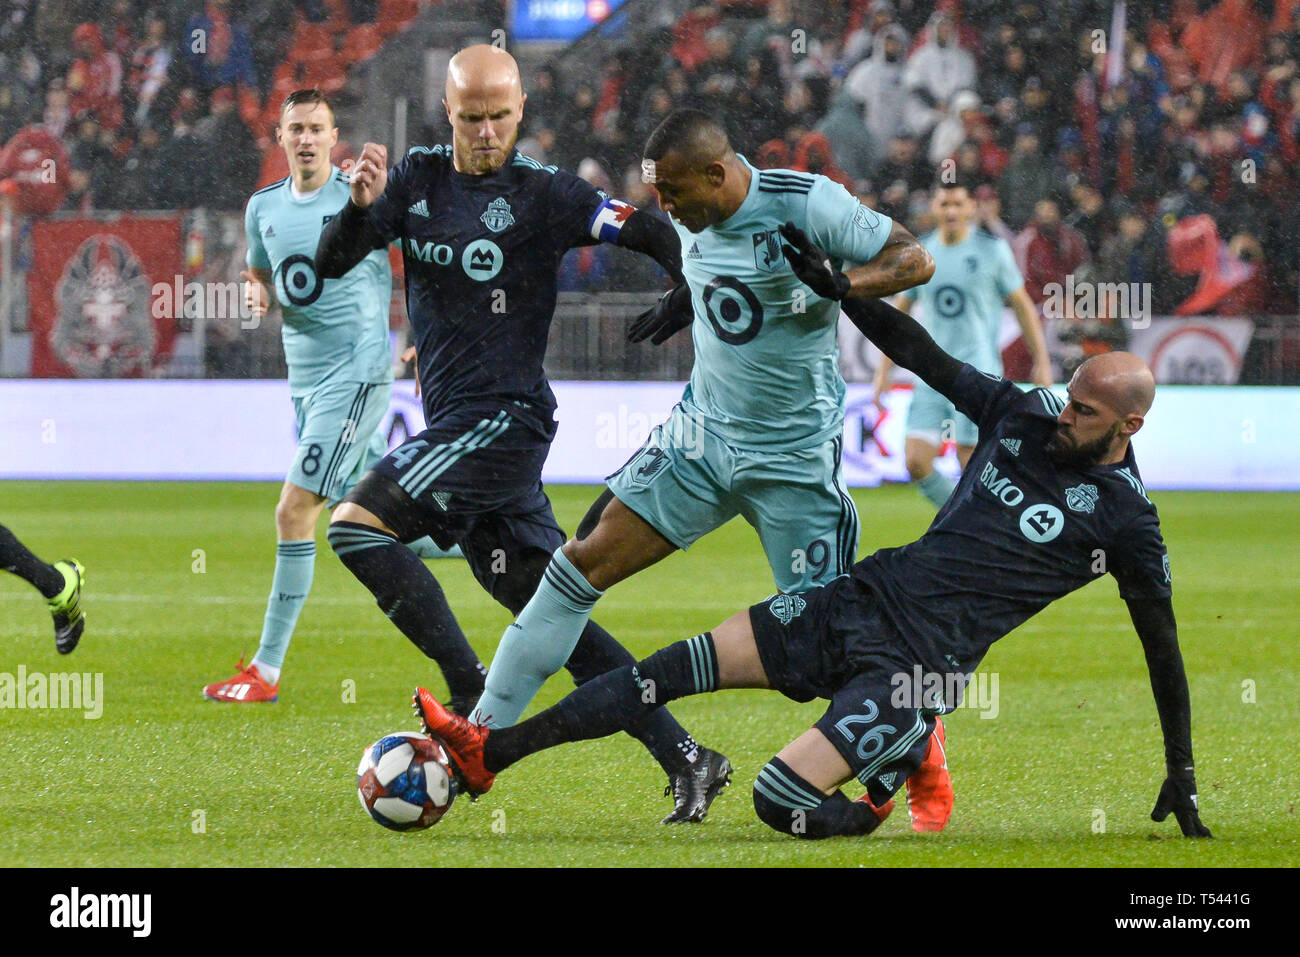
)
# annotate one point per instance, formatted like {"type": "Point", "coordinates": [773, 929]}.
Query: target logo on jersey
{"type": "Point", "coordinates": [405, 781]}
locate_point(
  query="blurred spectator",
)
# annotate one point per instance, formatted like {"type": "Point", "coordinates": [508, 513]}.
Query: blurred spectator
{"type": "Point", "coordinates": [1049, 249]}
{"type": "Point", "coordinates": [936, 71]}
{"type": "Point", "coordinates": [230, 152]}
{"type": "Point", "coordinates": [1090, 217]}
{"type": "Point", "coordinates": [902, 173]}
{"type": "Point", "coordinates": [812, 154]}
{"type": "Point", "coordinates": [1027, 180]}
{"type": "Point", "coordinates": [755, 109]}
{"type": "Point", "coordinates": [94, 80]}
{"type": "Point", "coordinates": [1229, 36]}
{"type": "Point", "coordinates": [217, 50]}
{"type": "Point", "coordinates": [772, 32]}
{"type": "Point", "coordinates": [961, 112]}
{"type": "Point", "coordinates": [94, 167]}
{"type": "Point", "coordinates": [57, 115]}
{"type": "Point", "coordinates": [183, 155]}
{"type": "Point", "coordinates": [119, 29]}
{"type": "Point", "coordinates": [143, 172]}
{"type": "Point", "coordinates": [988, 213]}
{"type": "Point", "coordinates": [149, 66]}
{"type": "Point", "coordinates": [851, 144]}
{"type": "Point", "coordinates": [877, 83]}
{"type": "Point", "coordinates": [861, 43]}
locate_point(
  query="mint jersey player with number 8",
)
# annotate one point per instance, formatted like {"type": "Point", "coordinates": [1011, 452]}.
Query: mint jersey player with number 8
{"type": "Point", "coordinates": [482, 228]}
{"type": "Point", "coordinates": [335, 336]}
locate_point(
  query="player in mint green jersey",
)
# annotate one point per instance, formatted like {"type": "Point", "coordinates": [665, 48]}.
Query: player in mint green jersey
{"type": "Point", "coordinates": [759, 430]}
{"type": "Point", "coordinates": [336, 345]}
{"type": "Point", "coordinates": [975, 275]}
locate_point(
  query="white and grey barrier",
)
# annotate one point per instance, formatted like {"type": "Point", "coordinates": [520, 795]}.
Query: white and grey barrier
{"type": "Point", "coordinates": [1196, 437]}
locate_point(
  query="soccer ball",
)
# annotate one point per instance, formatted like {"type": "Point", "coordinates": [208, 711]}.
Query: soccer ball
{"type": "Point", "coordinates": [405, 781]}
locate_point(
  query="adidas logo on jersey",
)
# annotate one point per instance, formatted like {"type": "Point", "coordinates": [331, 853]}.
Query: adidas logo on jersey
{"type": "Point", "coordinates": [694, 252]}
{"type": "Point", "coordinates": [270, 231]}
{"type": "Point", "coordinates": [442, 498]}
{"type": "Point", "coordinates": [1012, 446]}
{"type": "Point", "coordinates": [887, 780]}
{"type": "Point", "coordinates": [419, 209]}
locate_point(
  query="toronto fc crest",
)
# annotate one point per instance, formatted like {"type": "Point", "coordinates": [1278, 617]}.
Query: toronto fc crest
{"type": "Point", "coordinates": [103, 328]}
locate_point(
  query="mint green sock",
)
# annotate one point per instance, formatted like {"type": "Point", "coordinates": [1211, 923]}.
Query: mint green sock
{"type": "Point", "coordinates": [295, 564]}
{"type": "Point", "coordinates": [936, 488]}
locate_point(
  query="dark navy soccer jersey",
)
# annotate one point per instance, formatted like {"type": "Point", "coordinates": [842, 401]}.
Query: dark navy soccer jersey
{"type": "Point", "coordinates": [481, 254]}
{"type": "Point", "coordinates": [1017, 533]}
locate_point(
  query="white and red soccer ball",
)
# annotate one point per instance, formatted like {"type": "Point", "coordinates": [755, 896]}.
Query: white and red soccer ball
{"type": "Point", "coordinates": [405, 781]}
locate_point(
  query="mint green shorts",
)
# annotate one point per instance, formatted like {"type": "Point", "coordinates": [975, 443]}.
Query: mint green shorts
{"type": "Point", "coordinates": [685, 481]}
{"type": "Point", "coordinates": [338, 436]}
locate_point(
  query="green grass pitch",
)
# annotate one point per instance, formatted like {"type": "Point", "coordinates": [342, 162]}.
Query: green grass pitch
{"type": "Point", "coordinates": [1066, 773]}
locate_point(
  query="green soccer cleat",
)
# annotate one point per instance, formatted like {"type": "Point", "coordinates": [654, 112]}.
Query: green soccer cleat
{"type": "Point", "coordinates": [65, 607]}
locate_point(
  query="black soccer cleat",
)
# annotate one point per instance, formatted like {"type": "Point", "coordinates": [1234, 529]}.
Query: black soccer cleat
{"type": "Point", "coordinates": [695, 788]}
{"type": "Point", "coordinates": [65, 607]}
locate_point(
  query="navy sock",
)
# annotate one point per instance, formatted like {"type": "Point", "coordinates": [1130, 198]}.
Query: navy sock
{"type": "Point", "coordinates": [786, 802]}
{"type": "Point", "coordinates": [15, 558]}
{"type": "Point", "coordinates": [667, 741]}
{"type": "Point", "coordinates": [411, 597]}
{"type": "Point", "coordinates": [613, 702]}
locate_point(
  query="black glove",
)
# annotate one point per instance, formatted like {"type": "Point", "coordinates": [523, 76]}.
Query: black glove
{"type": "Point", "coordinates": [1178, 794]}
{"type": "Point", "coordinates": [812, 265]}
{"type": "Point", "coordinates": [672, 313]}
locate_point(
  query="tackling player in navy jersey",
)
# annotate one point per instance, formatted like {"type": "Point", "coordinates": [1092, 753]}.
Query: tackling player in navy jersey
{"type": "Point", "coordinates": [1049, 487]}
{"type": "Point", "coordinates": [482, 229]}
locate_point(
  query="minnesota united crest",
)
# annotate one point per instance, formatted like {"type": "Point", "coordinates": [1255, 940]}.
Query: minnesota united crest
{"type": "Point", "coordinates": [498, 216]}
{"type": "Point", "coordinates": [787, 607]}
{"type": "Point", "coordinates": [1082, 498]}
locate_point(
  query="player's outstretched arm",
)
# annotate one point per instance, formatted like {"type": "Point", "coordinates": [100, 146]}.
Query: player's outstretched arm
{"type": "Point", "coordinates": [900, 337]}
{"type": "Point", "coordinates": [1153, 618]}
{"type": "Point", "coordinates": [644, 232]}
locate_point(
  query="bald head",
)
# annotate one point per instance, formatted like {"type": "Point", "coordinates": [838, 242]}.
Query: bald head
{"type": "Point", "coordinates": [485, 104]}
{"type": "Point", "coordinates": [1120, 380]}
{"type": "Point", "coordinates": [481, 68]}
{"type": "Point", "coordinates": [1110, 395]}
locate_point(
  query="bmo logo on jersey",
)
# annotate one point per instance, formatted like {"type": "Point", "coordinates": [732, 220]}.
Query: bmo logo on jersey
{"type": "Point", "coordinates": [1038, 523]}
{"type": "Point", "coordinates": [482, 259]}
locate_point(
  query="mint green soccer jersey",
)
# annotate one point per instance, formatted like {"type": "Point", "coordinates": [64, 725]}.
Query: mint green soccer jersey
{"type": "Point", "coordinates": [334, 330]}
{"type": "Point", "coordinates": [963, 302]}
{"type": "Point", "coordinates": [766, 372]}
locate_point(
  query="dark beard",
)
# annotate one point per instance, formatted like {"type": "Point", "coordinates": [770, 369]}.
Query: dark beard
{"type": "Point", "coordinates": [1080, 457]}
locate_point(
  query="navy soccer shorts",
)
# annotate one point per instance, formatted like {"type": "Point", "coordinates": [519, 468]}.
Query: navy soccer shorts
{"type": "Point", "coordinates": [472, 478]}
{"type": "Point", "coordinates": [833, 643]}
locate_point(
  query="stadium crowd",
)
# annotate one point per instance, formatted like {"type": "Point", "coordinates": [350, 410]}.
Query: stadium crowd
{"type": "Point", "coordinates": [1166, 154]}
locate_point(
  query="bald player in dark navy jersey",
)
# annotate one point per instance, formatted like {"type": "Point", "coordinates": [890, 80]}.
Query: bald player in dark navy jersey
{"type": "Point", "coordinates": [1051, 500]}
{"type": "Point", "coordinates": [482, 229]}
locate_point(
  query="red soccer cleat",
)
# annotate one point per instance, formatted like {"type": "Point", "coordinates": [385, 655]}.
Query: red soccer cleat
{"type": "Point", "coordinates": [462, 739]}
{"type": "Point", "coordinates": [929, 790]}
{"type": "Point", "coordinates": [248, 685]}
